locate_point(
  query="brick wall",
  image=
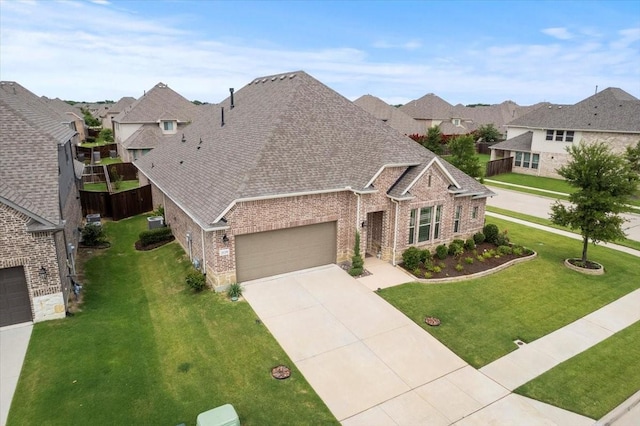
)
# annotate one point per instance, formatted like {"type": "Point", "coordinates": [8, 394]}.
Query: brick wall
{"type": "Point", "coordinates": [32, 251]}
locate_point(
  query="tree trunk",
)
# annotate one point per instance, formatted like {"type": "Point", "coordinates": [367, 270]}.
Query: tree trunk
{"type": "Point", "coordinates": [585, 245]}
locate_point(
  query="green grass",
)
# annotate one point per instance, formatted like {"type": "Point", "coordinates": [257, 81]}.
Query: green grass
{"type": "Point", "coordinates": [107, 161]}
{"type": "Point", "coordinates": [549, 184]}
{"type": "Point", "coordinates": [102, 186]}
{"type": "Point", "coordinates": [145, 350]}
{"type": "Point", "coordinates": [595, 381]}
{"type": "Point", "coordinates": [546, 222]}
{"type": "Point", "coordinates": [482, 317]}
{"type": "Point", "coordinates": [526, 190]}
{"type": "Point", "coordinates": [484, 159]}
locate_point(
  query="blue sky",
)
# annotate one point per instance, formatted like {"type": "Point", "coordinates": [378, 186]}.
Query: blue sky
{"type": "Point", "coordinates": [463, 51]}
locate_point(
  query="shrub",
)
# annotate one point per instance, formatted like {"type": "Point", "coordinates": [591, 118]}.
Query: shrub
{"type": "Point", "coordinates": [436, 269]}
{"type": "Point", "coordinates": [502, 239]}
{"type": "Point", "coordinates": [159, 211]}
{"type": "Point", "coordinates": [442, 265]}
{"type": "Point", "coordinates": [455, 248]}
{"type": "Point", "coordinates": [504, 250]}
{"type": "Point", "coordinates": [93, 235]}
{"type": "Point", "coordinates": [417, 272]}
{"type": "Point", "coordinates": [469, 260]}
{"type": "Point", "coordinates": [425, 256]}
{"type": "Point", "coordinates": [480, 258]}
{"type": "Point", "coordinates": [357, 263]}
{"type": "Point", "coordinates": [517, 250]}
{"type": "Point", "coordinates": [354, 272]}
{"type": "Point", "coordinates": [428, 275]}
{"type": "Point", "coordinates": [196, 280]}
{"type": "Point", "coordinates": [459, 267]}
{"type": "Point", "coordinates": [479, 238]}
{"type": "Point", "coordinates": [411, 258]}
{"type": "Point", "coordinates": [90, 139]}
{"type": "Point", "coordinates": [490, 232]}
{"type": "Point", "coordinates": [442, 251]}
{"type": "Point", "coordinates": [489, 254]}
{"type": "Point", "coordinates": [234, 290]}
{"type": "Point", "coordinates": [106, 135]}
{"type": "Point", "coordinates": [469, 244]}
{"type": "Point", "coordinates": [153, 236]}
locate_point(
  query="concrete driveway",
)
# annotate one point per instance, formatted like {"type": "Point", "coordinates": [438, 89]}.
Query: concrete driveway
{"type": "Point", "coordinates": [371, 364]}
{"type": "Point", "coordinates": [14, 341]}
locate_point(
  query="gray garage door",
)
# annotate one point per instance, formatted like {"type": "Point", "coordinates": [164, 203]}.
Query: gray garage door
{"type": "Point", "coordinates": [275, 252]}
{"type": "Point", "coordinates": [14, 297]}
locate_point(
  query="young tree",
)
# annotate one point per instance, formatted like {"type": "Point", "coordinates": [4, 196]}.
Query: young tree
{"type": "Point", "coordinates": [633, 157]}
{"type": "Point", "coordinates": [433, 140]}
{"type": "Point", "coordinates": [463, 155]}
{"type": "Point", "coordinates": [604, 181]}
{"type": "Point", "coordinates": [488, 133]}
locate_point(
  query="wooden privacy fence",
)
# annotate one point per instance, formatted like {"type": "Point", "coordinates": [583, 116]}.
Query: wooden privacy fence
{"type": "Point", "coordinates": [117, 205]}
{"type": "Point", "coordinates": [483, 148]}
{"type": "Point", "coordinates": [99, 173]}
{"type": "Point", "coordinates": [497, 167]}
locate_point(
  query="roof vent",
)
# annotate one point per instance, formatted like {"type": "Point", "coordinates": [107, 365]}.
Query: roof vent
{"type": "Point", "coordinates": [221, 116]}
{"type": "Point", "coordinates": [282, 77]}
{"type": "Point", "coordinates": [231, 92]}
{"type": "Point", "coordinates": [273, 78]}
{"type": "Point", "coordinates": [183, 138]}
{"type": "Point", "coordinates": [264, 80]}
{"type": "Point", "coordinates": [181, 161]}
{"type": "Point", "coordinates": [200, 141]}
{"type": "Point", "coordinates": [291, 75]}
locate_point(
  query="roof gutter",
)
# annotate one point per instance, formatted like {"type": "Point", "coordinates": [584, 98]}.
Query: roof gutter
{"type": "Point", "coordinates": [386, 166]}
{"type": "Point", "coordinates": [46, 224]}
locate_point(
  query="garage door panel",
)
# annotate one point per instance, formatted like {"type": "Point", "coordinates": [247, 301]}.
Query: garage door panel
{"type": "Point", "coordinates": [276, 252]}
{"type": "Point", "coordinates": [15, 306]}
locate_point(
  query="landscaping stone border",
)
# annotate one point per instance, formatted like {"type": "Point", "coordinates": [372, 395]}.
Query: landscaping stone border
{"type": "Point", "coordinates": [476, 275]}
{"type": "Point", "coordinates": [585, 271]}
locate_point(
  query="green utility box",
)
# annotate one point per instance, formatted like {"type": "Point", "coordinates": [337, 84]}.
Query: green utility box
{"type": "Point", "coordinates": [224, 415]}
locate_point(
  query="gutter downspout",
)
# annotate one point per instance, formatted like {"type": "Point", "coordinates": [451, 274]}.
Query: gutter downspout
{"type": "Point", "coordinates": [358, 212]}
{"type": "Point", "coordinates": [395, 232]}
{"type": "Point", "coordinates": [204, 253]}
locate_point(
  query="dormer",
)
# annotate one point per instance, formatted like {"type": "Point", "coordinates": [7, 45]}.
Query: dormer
{"type": "Point", "coordinates": [169, 127]}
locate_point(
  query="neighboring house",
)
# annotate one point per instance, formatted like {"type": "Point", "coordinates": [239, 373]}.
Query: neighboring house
{"type": "Point", "coordinates": [108, 111]}
{"type": "Point", "coordinates": [74, 115]}
{"type": "Point", "coordinates": [537, 142]}
{"type": "Point", "coordinates": [40, 210]}
{"type": "Point", "coordinates": [431, 110]}
{"type": "Point", "coordinates": [391, 115]}
{"type": "Point", "coordinates": [153, 118]}
{"type": "Point", "coordinates": [288, 170]}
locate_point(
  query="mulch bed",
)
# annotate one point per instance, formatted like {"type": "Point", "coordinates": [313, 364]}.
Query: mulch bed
{"type": "Point", "coordinates": [281, 372]}
{"type": "Point", "coordinates": [347, 265]}
{"type": "Point", "coordinates": [449, 269]}
{"type": "Point", "coordinates": [587, 265]}
{"type": "Point", "coordinates": [140, 247]}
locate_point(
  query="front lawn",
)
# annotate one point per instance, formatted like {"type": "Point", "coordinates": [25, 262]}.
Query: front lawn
{"type": "Point", "coordinates": [594, 382]}
{"type": "Point", "coordinates": [145, 350]}
{"type": "Point", "coordinates": [481, 318]}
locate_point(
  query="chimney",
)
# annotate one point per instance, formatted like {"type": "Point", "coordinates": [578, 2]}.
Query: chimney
{"type": "Point", "coordinates": [231, 91]}
{"type": "Point", "coordinates": [221, 116]}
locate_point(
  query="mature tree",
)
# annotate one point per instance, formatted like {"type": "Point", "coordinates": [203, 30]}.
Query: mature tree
{"type": "Point", "coordinates": [463, 155]}
{"type": "Point", "coordinates": [604, 181]}
{"type": "Point", "coordinates": [433, 140]}
{"type": "Point", "coordinates": [89, 119]}
{"type": "Point", "coordinates": [633, 157]}
{"type": "Point", "coordinates": [488, 133]}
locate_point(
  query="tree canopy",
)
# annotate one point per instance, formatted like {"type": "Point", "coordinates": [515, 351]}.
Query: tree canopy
{"type": "Point", "coordinates": [604, 181]}
{"type": "Point", "coordinates": [463, 155]}
{"type": "Point", "coordinates": [488, 133]}
{"type": "Point", "coordinates": [633, 157]}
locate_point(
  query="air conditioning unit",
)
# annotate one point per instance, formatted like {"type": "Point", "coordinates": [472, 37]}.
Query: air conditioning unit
{"type": "Point", "coordinates": [155, 222]}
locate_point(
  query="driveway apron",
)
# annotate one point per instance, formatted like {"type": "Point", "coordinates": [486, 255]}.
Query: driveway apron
{"type": "Point", "coordinates": [368, 362]}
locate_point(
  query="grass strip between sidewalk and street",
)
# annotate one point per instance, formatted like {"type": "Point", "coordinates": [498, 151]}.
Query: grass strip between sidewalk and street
{"type": "Point", "coordinates": [594, 381]}
{"type": "Point", "coordinates": [147, 350]}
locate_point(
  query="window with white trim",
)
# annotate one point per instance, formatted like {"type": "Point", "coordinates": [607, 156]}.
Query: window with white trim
{"type": "Point", "coordinates": [456, 219]}
{"type": "Point", "coordinates": [526, 159]}
{"type": "Point", "coordinates": [424, 224]}
{"type": "Point", "coordinates": [560, 135]}
{"type": "Point", "coordinates": [167, 126]}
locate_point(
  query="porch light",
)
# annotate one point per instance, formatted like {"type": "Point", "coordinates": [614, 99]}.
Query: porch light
{"type": "Point", "coordinates": [225, 239]}
{"type": "Point", "coordinates": [43, 272]}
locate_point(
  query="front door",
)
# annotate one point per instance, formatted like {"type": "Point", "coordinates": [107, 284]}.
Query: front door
{"type": "Point", "coordinates": [374, 233]}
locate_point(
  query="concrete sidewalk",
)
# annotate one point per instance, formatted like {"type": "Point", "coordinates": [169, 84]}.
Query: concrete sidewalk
{"type": "Point", "coordinates": [14, 341]}
{"type": "Point", "coordinates": [531, 360]}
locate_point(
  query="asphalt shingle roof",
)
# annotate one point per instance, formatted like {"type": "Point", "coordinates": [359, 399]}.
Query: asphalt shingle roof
{"type": "Point", "coordinates": [30, 132]}
{"type": "Point", "coordinates": [286, 134]}
{"type": "Point", "coordinates": [160, 102]}
{"type": "Point", "coordinates": [612, 110]}
{"type": "Point", "coordinates": [391, 115]}
{"type": "Point", "coordinates": [519, 143]}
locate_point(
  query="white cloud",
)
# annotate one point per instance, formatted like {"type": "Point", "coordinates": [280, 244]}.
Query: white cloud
{"type": "Point", "coordinates": [55, 54]}
{"type": "Point", "coordinates": [558, 32]}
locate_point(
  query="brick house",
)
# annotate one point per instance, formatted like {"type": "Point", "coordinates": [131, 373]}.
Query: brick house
{"type": "Point", "coordinates": [537, 141]}
{"type": "Point", "coordinates": [39, 207]}
{"type": "Point", "coordinates": [154, 117]}
{"type": "Point", "coordinates": [281, 175]}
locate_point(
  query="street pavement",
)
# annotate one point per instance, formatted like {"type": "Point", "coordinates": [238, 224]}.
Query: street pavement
{"type": "Point", "coordinates": [538, 206]}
